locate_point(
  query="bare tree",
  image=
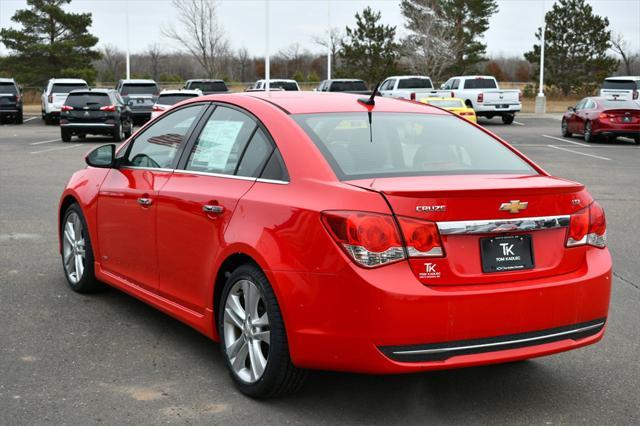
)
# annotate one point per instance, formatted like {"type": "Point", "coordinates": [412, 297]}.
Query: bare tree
{"type": "Point", "coordinates": [156, 57]}
{"type": "Point", "coordinates": [621, 47]}
{"type": "Point", "coordinates": [200, 33]}
{"type": "Point", "coordinates": [243, 63]}
{"type": "Point", "coordinates": [112, 61]}
{"type": "Point", "coordinates": [331, 42]}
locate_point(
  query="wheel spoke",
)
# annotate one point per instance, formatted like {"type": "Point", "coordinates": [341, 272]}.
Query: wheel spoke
{"type": "Point", "coordinates": [69, 262]}
{"type": "Point", "coordinates": [71, 231]}
{"type": "Point", "coordinates": [77, 227]}
{"type": "Point", "coordinates": [68, 237]}
{"type": "Point", "coordinates": [261, 322]}
{"type": "Point", "coordinates": [264, 336]}
{"type": "Point", "coordinates": [251, 299]}
{"type": "Point", "coordinates": [239, 361]}
{"type": "Point", "coordinates": [257, 360]}
{"type": "Point", "coordinates": [79, 266]}
{"type": "Point", "coordinates": [232, 317]}
{"type": "Point", "coordinates": [234, 348]}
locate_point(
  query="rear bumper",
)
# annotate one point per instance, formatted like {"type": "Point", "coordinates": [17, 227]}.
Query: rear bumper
{"type": "Point", "coordinates": [355, 320]}
{"type": "Point", "coordinates": [607, 128]}
{"type": "Point", "coordinates": [91, 128]}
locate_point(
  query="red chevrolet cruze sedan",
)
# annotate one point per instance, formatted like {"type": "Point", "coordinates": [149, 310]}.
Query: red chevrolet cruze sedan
{"type": "Point", "coordinates": [320, 231]}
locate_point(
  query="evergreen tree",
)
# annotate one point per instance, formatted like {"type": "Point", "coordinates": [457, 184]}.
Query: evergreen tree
{"type": "Point", "coordinates": [369, 51]}
{"type": "Point", "coordinates": [51, 43]}
{"type": "Point", "coordinates": [576, 43]}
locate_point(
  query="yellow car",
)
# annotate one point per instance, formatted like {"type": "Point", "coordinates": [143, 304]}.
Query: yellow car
{"type": "Point", "coordinates": [455, 105]}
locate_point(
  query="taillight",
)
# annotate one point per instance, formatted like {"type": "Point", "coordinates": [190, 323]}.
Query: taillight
{"type": "Point", "coordinates": [66, 108]}
{"type": "Point", "coordinates": [480, 98]}
{"type": "Point", "coordinates": [588, 226]}
{"type": "Point", "coordinates": [421, 237]}
{"type": "Point", "coordinates": [519, 96]}
{"type": "Point", "coordinates": [635, 94]}
{"type": "Point", "coordinates": [157, 108]}
{"type": "Point", "coordinates": [370, 239]}
{"type": "Point", "coordinates": [17, 98]}
{"type": "Point", "coordinates": [108, 108]}
{"type": "Point", "coordinates": [453, 95]}
{"type": "Point", "coordinates": [50, 98]}
{"type": "Point", "coordinates": [412, 96]}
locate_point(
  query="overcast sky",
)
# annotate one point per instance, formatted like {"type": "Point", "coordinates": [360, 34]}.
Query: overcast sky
{"type": "Point", "coordinates": [511, 30]}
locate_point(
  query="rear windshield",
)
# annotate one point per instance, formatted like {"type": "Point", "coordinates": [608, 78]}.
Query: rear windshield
{"type": "Point", "coordinates": [620, 104]}
{"type": "Point", "coordinates": [285, 85]}
{"type": "Point", "coordinates": [347, 86]}
{"type": "Point", "coordinates": [174, 98]}
{"type": "Point", "coordinates": [8, 88]}
{"type": "Point", "coordinates": [81, 100]}
{"type": "Point", "coordinates": [620, 84]}
{"type": "Point", "coordinates": [446, 103]}
{"type": "Point", "coordinates": [404, 144]}
{"type": "Point", "coordinates": [209, 86]}
{"type": "Point", "coordinates": [67, 87]}
{"type": "Point", "coordinates": [139, 89]}
{"type": "Point", "coordinates": [415, 83]}
{"type": "Point", "coordinates": [480, 83]}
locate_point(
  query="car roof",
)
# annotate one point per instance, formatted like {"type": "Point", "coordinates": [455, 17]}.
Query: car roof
{"type": "Point", "coordinates": [624, 77]}
{"type": "Point", "coordinates": [409, 76]}
{"type": "Point", "coordinates": [178, 91]}
{"type": "Point", "coordinates": [7, 80]}
{"type": "Point", "coordinates": [68, 80]}
{"type": "Point", "coordinates": [303, 102]}
{"type": "Point", "coordinates": [346, 79]}
{"type": "Point", "coordinates": [207, 80]}
{"type": "Point", "coordinates": [278, 79]}
{"type": "Point", "coordinates": [138, 81]}
{"type": "Point", "coordinates": [93, 90]}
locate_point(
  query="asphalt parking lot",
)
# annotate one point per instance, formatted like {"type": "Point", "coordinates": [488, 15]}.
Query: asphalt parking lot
{"type": "Point", "coordinates": [66, 358]}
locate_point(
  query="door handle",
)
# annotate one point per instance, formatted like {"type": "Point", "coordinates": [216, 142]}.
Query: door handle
{"type": "Point", "coordinates": [212, 208]}
{"type": "Point", "coordinates": [145, 201]}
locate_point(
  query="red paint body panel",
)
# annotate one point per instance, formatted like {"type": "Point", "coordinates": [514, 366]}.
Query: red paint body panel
{"type": "Point", "coordinates": [336, 313]}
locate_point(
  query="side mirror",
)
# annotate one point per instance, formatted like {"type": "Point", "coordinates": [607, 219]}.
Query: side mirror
{"type": "Point", "coordinates": [103, 156]}
{"type": "Point", "coordinates": [442, 87]}
{"type": "Point", "coordinates": [572, 109]}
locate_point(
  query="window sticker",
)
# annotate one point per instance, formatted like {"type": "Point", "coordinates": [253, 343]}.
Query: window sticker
{"type": "Point", "coordinates": [215, 144]}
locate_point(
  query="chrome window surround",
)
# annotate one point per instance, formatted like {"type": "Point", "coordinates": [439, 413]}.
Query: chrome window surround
{"type": "Point", "coordinates": [503, 225]}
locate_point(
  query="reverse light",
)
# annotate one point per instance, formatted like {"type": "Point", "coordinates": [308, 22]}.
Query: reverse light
{"type": "Point", "coordinates": [480, 98]}
{"type": "Point", "coordinates": [66, 108]}
{"type": "Point", "coordinates": [108, 108]}
{"type": "Point", "coordinates": [588, 227]}
{"type": "Point", "coordinates": [370, 239]}
{"type": "Point", "coordinates": [421, 237]}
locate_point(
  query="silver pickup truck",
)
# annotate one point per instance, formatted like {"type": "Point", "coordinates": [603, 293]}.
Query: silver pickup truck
{"type": "Point", "coordinates": [482, 93]}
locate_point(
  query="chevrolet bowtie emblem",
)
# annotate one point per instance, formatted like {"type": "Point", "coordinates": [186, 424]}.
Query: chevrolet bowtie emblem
{"type": "Point", "coordinates": [513, 206]}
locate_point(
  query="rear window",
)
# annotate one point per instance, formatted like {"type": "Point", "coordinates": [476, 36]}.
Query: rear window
{"type": "Point", "coordinates": [139, 89]}
{"type": "Point", "coordinates": [81, 100]}
{"type": "Point", "coordinates": [620, 104]}
{"type": "Point", "coordinates": [347, 86]}
{"type": "Point", "coordinates": [404, 144]}
{"type": "Point", "coordinates": [67, 87]}
{"type": "Point", "coordinates": [209, 86]}
{"type": "Point", "coordinates": [8, 88]}
{"type": "Point", "coordinates": [446, 103]}
{"type": "Point", "coordinates": [174, 98]}
{"type": "Point", "coordinates": [415, 83]}
{"type": "Point", "coordinates": [620, 84]}
{"type": "Point", "coordinates": [284, 85]}
{"type": "Point", "coordinates": [480, 83]}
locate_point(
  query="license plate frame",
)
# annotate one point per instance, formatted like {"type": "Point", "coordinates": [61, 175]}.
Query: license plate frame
{"type": "Point", "coordinates": [506, 253]}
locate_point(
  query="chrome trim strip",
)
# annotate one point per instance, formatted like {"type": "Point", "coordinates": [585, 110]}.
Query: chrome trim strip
{"type": "Point", "coordinates": [503, 225]}
{"type": "Point", "coordinates": [193, 172]}
{"type": "Point", "coordinates": [155, 169]}
{"type": "Point", "coordinates": [87, 125]}
{"type": "Point", "coordinates": [509, 342]}
{"type": "Point", "coordinates": [277, 182]}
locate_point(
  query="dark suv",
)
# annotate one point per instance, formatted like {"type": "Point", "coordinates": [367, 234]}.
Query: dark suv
{"type": "Point", "coordinates": [207, 87]}
{"type": "Point", "coordinates": [95, 112]}
{"type": "Point", "coordinates": [10, 101]}
{"type": "Point", "coordinates": [140, 95]}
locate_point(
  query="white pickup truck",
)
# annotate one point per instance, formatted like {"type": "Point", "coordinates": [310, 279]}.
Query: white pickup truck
{"type": "Point", "coordinates": [406, 86]}
{"type": "Point", "coordinates": [482, 93]}
{"type": "Point", "coordinates": [624, 88]}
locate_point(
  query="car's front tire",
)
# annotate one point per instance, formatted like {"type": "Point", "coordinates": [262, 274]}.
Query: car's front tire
{"type": "Point", "coordinates": [65, 134]}
{"type": "Point", "coordinates": [588, 133]}
{"type": "Point", "coordinates": [77, 254]}
{"type": "Point", "coordinates": [565, 129]}
{"type": "Point", "coordinates": [253, 337]}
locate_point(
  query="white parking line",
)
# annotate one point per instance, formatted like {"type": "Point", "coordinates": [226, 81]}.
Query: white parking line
{"type": "Point", "coordinates": [43, 142]}
{"type": "Point", "coordinates": [29, 119]}
{"type": "Point", "coordinates": [55, 149]}
{"type": "Point", "coordinates": [579, 153]}
{"type": "Point", "coordinates": [565, 140]}
{"type": "Point", "coordinates": [518, 123]}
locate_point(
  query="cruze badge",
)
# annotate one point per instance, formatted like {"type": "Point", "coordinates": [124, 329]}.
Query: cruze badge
{"type": "Point", "coordinates": [431, 209]}
{"type": "Point", "coordinates": [514, 206]}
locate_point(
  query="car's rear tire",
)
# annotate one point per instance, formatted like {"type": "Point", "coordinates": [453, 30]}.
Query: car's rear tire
{"type": "Point", "coordinates": [565, 129]}
{"type": "Point", "coordinates": [253, 337]}
{"type": "Point", "coordinates": [129, 131]}
{"type": "Point", "coordinates": [48, 119]}
{"type": "Point", "coordinates": [65, 134]}
{"type": "Point", "coordinates": [118, 133]}
{"type": "Point", "coordinates": [77, 254]}
{"type": "Point", "coordinates": [19, 119]}
{"type": "Point", "coordinates": [588, 135]}
{"type": "Point", "coordinates": [508, 118]}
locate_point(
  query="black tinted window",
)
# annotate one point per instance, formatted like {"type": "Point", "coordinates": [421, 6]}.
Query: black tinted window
{"type": "Point", "coordinates": [66, 87]}
{"type": "Point", "coordinates": [275, 168]}
{"type": "Point", "coordinates": [347, 86]}
{"type": "Point", "coordinates": [174, 99]}
{"type": "Point", "coordinates": [139, 89]}
{"type": "Point", "coordinates": [619, 85]}
{"type": "Point", "coordinates": [285, 85]}
{"type": "Point", "coordinates": [480, 83]}
{"type": "Point", "coordinates": [81, 100]}
{"type": "Point", "coordinates": [159, 143]}
{"type": "Point", "coordinates": [8, 88]}
{"type": "Point", "coordinates": [209, 86]}
{"type": "Point", "coordinates": [414, 83]}
{"type": "Point", "coordinates": [221, 142]}
{"type": "Point", "coordinates": [255, 156]}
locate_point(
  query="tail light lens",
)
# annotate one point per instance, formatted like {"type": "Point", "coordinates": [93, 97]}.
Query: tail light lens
{"type": "Point", "coordinates": [413, 96]}
{"type": "Point", "coordinates": [17, 98]}
{"type": "Point", "coordinates": [519, 96]}
{"type": "Point", "coordinates": [370, 239]}
{"type": "Point", "coordinates": [50, 98]}
{"type": "Point", "coordinates": [635, 94]}
{"type": "Point", "coordinates": [108, 108]}
{"type": "Point", "coordinates": [588, 226]}
{"type": "Point", "coordinates": [66, 108]}
{"type": "Point", "coordinates": [480, 98]}
{"type": "Point", "coordinates": [421, 237]}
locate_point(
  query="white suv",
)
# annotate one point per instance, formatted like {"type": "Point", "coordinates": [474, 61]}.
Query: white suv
{"type": "Point", "coordinates": [624, 88]}
{"type": "Point", "coordinates": [56, 93]}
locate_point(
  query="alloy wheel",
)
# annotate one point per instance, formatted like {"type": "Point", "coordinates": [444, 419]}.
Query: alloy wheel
{"type": "Point", "coordinates": [73, 248]}
{"type": "Point", "coordinates": [246, 328]}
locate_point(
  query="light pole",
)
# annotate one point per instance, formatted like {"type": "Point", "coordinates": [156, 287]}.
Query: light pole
{"type": "Point", "coordinates": [126, 31]}
{"type": "Point", "coordinates": [329, 40]}
{"type": "Point", "coordinates": [267, 65]}
{"type": "Point", "coordinates": [541, 101]}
